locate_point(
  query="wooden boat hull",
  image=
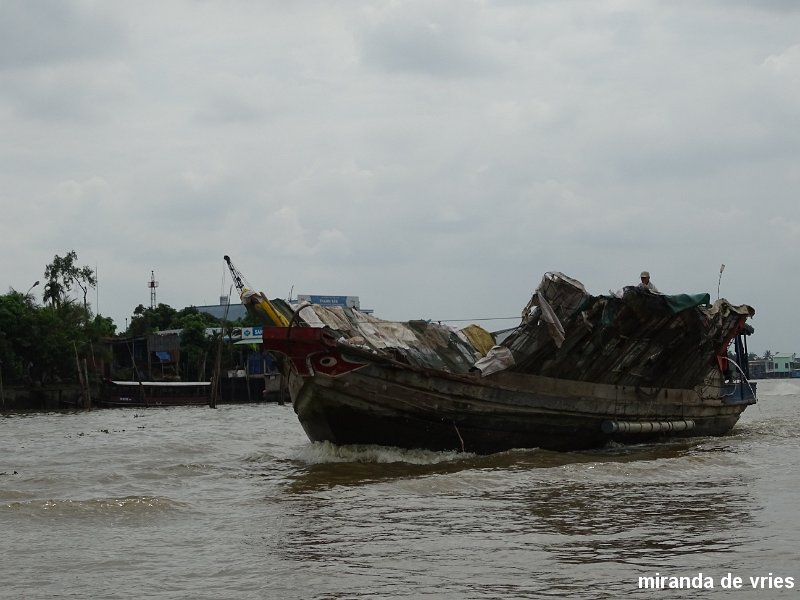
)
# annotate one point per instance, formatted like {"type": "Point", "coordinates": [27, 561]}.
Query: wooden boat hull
{"type": "Point", "coordinates": [118, 394]}
{"type": "Point", "coordinates": [126, 401]}
{"type": "Point", "coordinates": [578, 372]}
{"type": "Point", "coordinates": [396, 406]}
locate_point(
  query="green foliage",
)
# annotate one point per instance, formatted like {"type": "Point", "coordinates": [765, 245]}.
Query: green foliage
{"type": "Point", "coordinates": [17, 322]}
{"type": "Point", "coordinates": [149, 320]}
{"type": "Point", "coordinates": [40, 343]}
{"type": "Point", "coordinates": [62, 274]}
{"type": "Point", "coordinates": [247, 320]}
{"type": "Point", "coordinates": [163, 317]}
{"type": "Point", "coordinates": [196, 346]}
{"type": "Point", "coordinates": [102, 327]}
{"type": "Point", "coordinates": [46, 343]}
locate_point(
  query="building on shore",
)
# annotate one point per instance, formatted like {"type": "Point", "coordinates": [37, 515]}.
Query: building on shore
{"type": "Point", "coordinates": [780, 365]}
{"type": "Point", "coordinates": [224, 310]}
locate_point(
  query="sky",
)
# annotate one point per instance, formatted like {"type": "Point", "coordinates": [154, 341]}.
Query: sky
{"type": "Point", "coordinates": [434, 158]}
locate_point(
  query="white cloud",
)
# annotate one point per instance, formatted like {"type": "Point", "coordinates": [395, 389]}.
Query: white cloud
{"type": "Point", "coordinates": [52, 32]}
{"type": "Point", "coordinates": [437, 39]}
{"type": "Point", "coordinates": [786, 62]}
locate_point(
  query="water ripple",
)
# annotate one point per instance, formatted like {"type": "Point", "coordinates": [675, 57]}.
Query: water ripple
{"type": "Point", "coordinates": [130, 505]}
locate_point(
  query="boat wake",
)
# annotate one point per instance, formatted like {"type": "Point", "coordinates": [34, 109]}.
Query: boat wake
{"type": "Point", "coordinates": [317, 453]}
{"type": "Point", "coordinates": [779, 387]}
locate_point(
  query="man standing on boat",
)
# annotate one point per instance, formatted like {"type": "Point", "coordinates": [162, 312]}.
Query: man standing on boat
{"type": "Point", "coordinates": [645, 276]}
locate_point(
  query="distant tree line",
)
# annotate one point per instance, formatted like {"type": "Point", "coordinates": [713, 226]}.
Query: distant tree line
{"type": "Point", "coordinates": [198, 348]}
{"type": "Point", "coordinates": [46, 343]}
{"type": "Point", "coordinates": [768, 355]}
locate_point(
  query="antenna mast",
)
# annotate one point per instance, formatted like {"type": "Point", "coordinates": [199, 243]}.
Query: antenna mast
{"type": "Point", "coordinates": [152, 284]}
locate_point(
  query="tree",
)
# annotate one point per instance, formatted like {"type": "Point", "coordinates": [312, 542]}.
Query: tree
{"type": "Point", "coordinates": [147, 320]}
{"type": "Point", "coordinates": [767, 355]}
{"type": "Point", "coordinates": [39, 344]}
{"type": "Point", "coordinates": [62, 274]}
{"type": "Point", "coordinates": [17, 342]}
{"type": "Point", "coordinates": [102, 327]}
{"type": "Point", "coordinates": [42, 343]}
{"type": "Point", "coordinates": [195, 345]}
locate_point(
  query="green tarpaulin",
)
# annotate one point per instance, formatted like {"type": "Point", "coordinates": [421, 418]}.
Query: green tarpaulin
{"type": "Point", "coordinates": [679, 302]}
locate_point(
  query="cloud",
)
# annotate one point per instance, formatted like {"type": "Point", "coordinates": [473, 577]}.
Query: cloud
{"type": "Point", "coordinates": [432, 157]}
{"type": "Point", "coordinates": [764, 5]}
{"type": "Point", "coordinates": [287, 236]}
{"type": "Point", "coordinates": [437, 39]}
{"type": "Point", "coordinates": [48, 32]}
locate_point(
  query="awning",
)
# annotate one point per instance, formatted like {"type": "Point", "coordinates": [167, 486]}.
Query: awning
{"type": "Point", "coordinates": [248, 341]}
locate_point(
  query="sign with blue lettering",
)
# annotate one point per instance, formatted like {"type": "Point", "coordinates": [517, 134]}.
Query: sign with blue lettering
{"type": "Point", "coordinates": [252, 332]}
{"type": "Point", "coordinates": [329, 300]}
{"type": "Point", "coordinates": [344, 301]}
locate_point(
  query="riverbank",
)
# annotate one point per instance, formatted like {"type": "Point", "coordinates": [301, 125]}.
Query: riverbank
{"type": "Point", "coordinates": [65, 396]}
{"type": "Point", "coordinates": [44, 397]}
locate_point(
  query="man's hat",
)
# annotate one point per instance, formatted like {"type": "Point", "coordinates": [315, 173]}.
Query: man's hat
{"type": "Point", "coordinates": [645, 274]}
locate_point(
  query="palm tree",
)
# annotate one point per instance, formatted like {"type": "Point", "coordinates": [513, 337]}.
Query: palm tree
{"type": "Point", "coordinates": [53, 293]}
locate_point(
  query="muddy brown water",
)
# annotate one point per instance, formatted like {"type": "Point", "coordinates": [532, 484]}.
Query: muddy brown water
{"type": "Point", "coordinates": [237, 503]}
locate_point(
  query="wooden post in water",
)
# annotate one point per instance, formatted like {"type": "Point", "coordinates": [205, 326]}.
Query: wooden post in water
{"type": "Point", "coordinates": [212, 398]}
{"type": "Point", "coordinates": [80, 372]}
{"type": "Point", "coordinates": [215, 376]}
{"type": "Point", "coordinates": [2, 394]}
{"type": "Point", "coordinates": [216, 390]}
{"type": "Point", "coordinates": [247, 379]}
{"type": "Point", "coordinates": [87, 401]}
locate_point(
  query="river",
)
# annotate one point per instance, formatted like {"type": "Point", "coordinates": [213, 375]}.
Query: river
{"type": "Point", "coordinates": [237, 503]}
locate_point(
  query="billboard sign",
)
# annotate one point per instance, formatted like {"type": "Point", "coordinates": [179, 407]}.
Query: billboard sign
{"type": "Point", "coordinates": [345, 301]}
{"type": "Point", "coordinates": [252, 332]}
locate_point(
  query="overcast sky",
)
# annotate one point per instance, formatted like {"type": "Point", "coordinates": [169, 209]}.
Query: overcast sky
{"type": "Point", "coordinates": [434, 158]}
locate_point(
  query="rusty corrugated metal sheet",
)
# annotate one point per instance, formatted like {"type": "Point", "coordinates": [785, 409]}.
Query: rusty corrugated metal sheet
{"type": "Point", "coordinates": [638, 339]}
{"type": "Point", "coordinates": [421, 344]}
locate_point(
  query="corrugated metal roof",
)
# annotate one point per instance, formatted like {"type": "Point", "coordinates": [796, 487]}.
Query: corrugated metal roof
{"type": "Point", "coordinates": [419, 343]}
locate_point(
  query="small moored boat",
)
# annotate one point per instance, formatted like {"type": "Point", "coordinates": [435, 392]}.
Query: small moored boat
{"type": "Point", "coordinates": [154, 393]}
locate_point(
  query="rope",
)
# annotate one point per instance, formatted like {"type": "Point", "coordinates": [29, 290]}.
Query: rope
{"type": "Point", "coordinates": [440, 321]}
{"type": "Point", "coordinates": [744, 378]}
{"type": "Point", "coordinates": [459, 436]}
{"type": "Point", "coordinates": [479, 319]}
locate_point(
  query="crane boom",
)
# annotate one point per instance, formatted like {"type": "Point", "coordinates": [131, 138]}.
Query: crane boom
{"type": "Point", "coordinates": [256, 303]}
{"type": "Point", "coordinates": [238, 279]}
